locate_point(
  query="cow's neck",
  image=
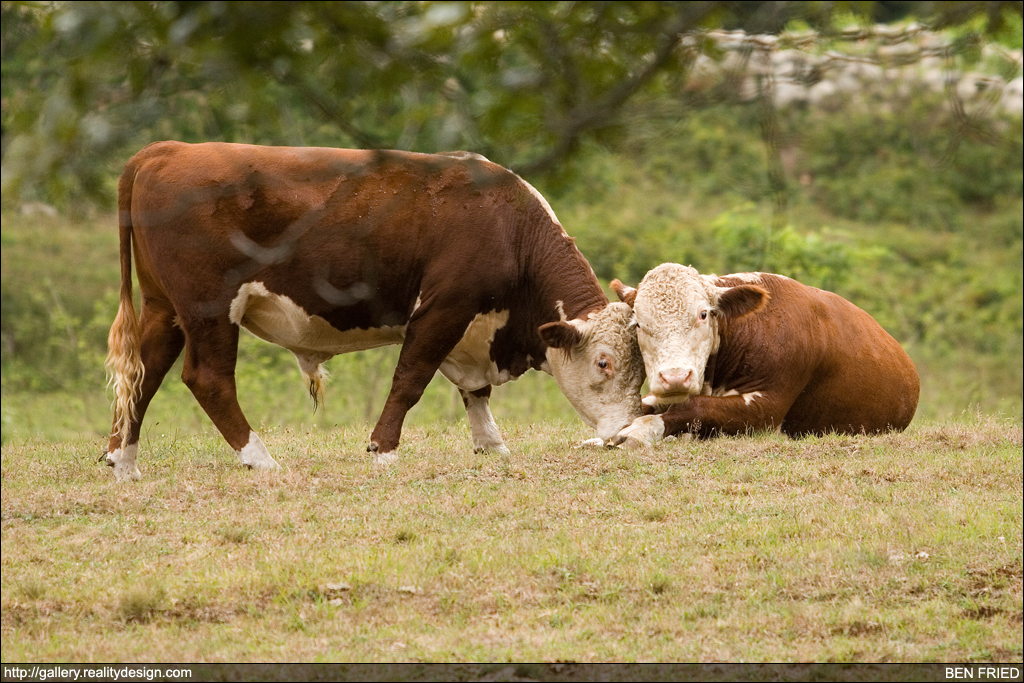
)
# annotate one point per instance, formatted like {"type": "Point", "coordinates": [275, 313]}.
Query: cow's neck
{"type": "Point", "coordinates": [566, 285]}
{"type": "Point", "coordinates": [561, 286]}
{"type": "Point", "coordinates": [724, 365]}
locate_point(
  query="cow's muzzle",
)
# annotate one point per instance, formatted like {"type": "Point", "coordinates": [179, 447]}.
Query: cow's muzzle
{"type": "Point", "coordinates": [672, 385]}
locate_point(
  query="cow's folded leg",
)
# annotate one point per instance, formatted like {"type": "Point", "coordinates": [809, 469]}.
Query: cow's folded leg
{"type": "Point", "coordinates": [734, 413]}
{"type": "Point", "coordinates": [646, 430]}
{"type": "Point", "coordinates": [160, 346]}
{"type": "Point", "coordinates": [209, 373]}
{"type": "Point", "coordinates": [486, 436]}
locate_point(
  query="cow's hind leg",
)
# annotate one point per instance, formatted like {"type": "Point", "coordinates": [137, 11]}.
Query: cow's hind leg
{"type": "Point", "coordinates": [161, 344]}
{"type": "Point", "coordinates": [211, 351]}
{"type": "Point", "coordinates": [486, 436]}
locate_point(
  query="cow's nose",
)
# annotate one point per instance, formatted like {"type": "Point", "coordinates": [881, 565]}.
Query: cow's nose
{"type": "Point", "coordinates": [676, 380]}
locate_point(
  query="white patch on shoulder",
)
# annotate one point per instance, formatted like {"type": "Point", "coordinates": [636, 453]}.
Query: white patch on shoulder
{"type": "Point", "coordinates": [469, 365]}
{"type": "Point", "coordinates": [748, 397]}
{"type": "Point", "coordinates": [543, 202]}
{"type": "Point", "coordinates": [279, 320]}
{"type": "Point", "coordinates": [254, 454]}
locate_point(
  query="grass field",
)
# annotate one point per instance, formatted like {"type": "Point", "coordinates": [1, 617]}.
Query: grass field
{"type": "Point", "coordinates": [897, 548]}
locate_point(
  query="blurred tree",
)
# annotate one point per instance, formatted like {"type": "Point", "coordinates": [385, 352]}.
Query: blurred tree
{"type": "Point", "coordinates": [85, 84]}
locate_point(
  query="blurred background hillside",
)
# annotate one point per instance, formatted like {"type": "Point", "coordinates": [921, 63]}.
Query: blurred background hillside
{"type": "Point", "coordinates": [870, 148]}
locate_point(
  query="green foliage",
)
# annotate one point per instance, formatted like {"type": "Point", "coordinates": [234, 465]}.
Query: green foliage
{"type": "Point", "coordinates": [910, 161]}
{"type": "Point", "coordinates": [86, 84]}
{"type": "Point", "coordinates": [824, 259]}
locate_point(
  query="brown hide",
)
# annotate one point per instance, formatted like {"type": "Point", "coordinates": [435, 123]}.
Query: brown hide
{"type": "Point", "coordinates": [819, 363]}
{"type": "Point", "coordinates": [361, 239]}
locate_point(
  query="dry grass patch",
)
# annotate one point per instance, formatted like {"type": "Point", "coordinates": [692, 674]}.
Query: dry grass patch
{"type": "Point", "coordinates": [893, 548]}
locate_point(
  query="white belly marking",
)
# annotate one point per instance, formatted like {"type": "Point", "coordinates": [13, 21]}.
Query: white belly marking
{"type": "Point", "coordinates": [279, 320]}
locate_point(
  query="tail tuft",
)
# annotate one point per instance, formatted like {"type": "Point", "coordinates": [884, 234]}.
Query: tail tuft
{"type": "Point", "coordinates": [125, 370]}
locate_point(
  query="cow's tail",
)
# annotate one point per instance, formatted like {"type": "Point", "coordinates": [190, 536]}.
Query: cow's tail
{"type": "Point", "coordinates": [125, 369]}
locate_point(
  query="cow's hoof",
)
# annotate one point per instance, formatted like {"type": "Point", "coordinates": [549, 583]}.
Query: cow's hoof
{"type": "Point", "coordinates": [255, 456]}
{"type": "Point", "coordinates": [382, 459]}
{"type": "Point", "coordinates": [270, 464]}
{"type": "Point", "coordinates": [643, 433]}
{"type": "Point", "coordinates": [632, 444]}
{"type": "Point", "coordinates": [123, 462]}
{"type": "Point", "coordinates": [127, 473]}
{"type": "Point", "coordinates": [500, 449]}
{"type": "Point", "coordinates": [596, 442]}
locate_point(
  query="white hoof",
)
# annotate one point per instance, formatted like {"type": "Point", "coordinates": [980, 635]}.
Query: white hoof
{"type": "Point", "coordinates": [256, 456]}
{"type": "Point", "coordinates": [596, 442]}
{"type": "Point", "coordinates": [123, 462]}
{"type": "Point", "coordinates": [645, 431]}
{"type": "Point", "coordinates": [500, 449]}
{"type": "Point", "coordinates": [382, 459]}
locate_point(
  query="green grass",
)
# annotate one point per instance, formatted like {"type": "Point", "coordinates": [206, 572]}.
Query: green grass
{"type": "Point", "coordinates": [894, 548]}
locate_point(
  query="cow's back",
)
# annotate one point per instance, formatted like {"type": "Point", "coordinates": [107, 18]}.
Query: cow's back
{"type": "Point", "coordinates": [854, 376]}
{"type": "Point", "coordinates": [365, 226]}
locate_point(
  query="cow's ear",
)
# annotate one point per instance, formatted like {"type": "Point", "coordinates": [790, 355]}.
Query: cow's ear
{"type": "Point", "coordinates": [626, 294]}
{"type": "Point", "coordinates": [736, 302]}
{"type": "Point", "coordinates": [560, 335]}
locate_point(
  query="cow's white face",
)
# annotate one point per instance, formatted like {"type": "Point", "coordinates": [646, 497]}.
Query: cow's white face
{"type": "Point", "coordinates": [677, 315]}
{"type": "Point", "coordinates": [598, 367]}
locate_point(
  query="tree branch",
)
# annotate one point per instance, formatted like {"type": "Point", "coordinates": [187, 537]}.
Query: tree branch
{"type": "Point", "coordinates": [598, 112]}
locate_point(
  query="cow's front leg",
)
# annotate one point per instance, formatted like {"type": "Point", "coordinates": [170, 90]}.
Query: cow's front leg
{"type": "Point", "coordinates": [430, 336]}
{"type": "Point", "coordinates": [644, 431]}
{"type": "Point", "coordinates": [729, 413]}
{"type": "Point", "coordinates": [486, 436]}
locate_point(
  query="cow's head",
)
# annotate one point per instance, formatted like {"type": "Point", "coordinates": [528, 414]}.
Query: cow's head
{"type": "Point", "coordinates": [678, 312]}
{"type": "Point", "coordinates": [598, 367]}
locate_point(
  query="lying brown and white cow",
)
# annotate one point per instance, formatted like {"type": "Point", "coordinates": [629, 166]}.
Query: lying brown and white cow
{"type": "Point", "coordinates": [325, 251]}
{"type": "Point", "coordinates": [757, 351]}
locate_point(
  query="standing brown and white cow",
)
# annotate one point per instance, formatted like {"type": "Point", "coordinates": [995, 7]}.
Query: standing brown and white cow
{"type": "Point", "coordinates": [757, 351]}
{"type": "Point", "coordinates": [325, 251]}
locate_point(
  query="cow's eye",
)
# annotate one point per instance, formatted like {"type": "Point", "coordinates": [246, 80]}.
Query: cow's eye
{"type": "Point", "coordinates": [603, 364]}
{"type": "Point", "coordinates": [704, 315]}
